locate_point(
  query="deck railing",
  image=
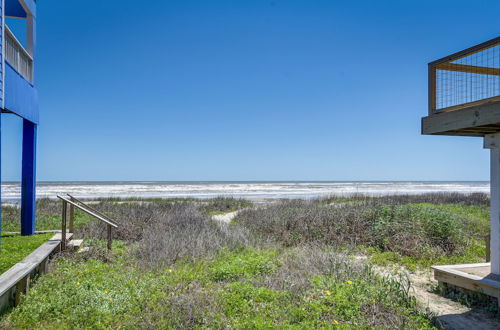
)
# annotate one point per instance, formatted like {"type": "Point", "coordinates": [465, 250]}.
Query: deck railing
{"type": "Point", "coordinates": [17, 56]}
{"type": "Point", "coordinates": [468, 78]}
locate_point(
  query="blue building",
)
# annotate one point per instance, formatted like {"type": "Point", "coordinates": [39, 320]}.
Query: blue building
{"type": "Point", "coordinates": [18, 96]}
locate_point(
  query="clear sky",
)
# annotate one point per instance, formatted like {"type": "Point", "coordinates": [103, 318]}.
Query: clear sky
{"type": "Point", "coordinates": [246, 90]}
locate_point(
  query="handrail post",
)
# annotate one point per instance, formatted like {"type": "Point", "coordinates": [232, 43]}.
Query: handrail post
{"type": "Point", "coordinates": [488, 248]}
{"type": "Point", "coordinates": [71, 219]}
{"type": "Point", "coordinates": [63, 226]}
{"type": "Point", "coordinates": [432, 89]}
{"type": "Point", "coordinates": [110, 238]}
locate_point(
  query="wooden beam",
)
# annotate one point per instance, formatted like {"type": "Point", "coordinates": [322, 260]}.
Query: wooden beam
{"type": "Point", "coordinates": [432, 89]}
{"type": "Point", "coordinates": [468, 69]}
{"type": "Point", "coordinates": [440, 123]}
{"type": "Point", "coordinates": [492, 142]}
{"type": "Point", "coordinates": [469, 104]}
{"type": "Point", "coordinates": [467, 52]}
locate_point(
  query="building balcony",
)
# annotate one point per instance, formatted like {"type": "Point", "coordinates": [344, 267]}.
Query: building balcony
{"type": "Point", "coordinates": [18, 57]}
{"type": "Point", "coordinates": [464, 92]}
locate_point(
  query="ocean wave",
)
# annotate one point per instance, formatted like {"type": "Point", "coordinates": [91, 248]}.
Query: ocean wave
{"type": "Point", "coordinates": [252, 190]}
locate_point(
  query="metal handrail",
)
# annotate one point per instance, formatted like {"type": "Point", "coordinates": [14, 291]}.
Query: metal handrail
{"type": "Point", "coordinates": [91, 208]}
{"type": "Point", "coordinates": [88, 210]}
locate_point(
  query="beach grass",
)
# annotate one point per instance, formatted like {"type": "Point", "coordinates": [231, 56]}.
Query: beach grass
{"type": "Point", "coordinates": [14, 248]}
{"type": "Point", "coordinates": [291, 264]}
{"type": "Point", "coordinates": [414, 231]}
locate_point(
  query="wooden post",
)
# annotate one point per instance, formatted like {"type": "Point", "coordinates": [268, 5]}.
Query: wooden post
{"type": "Point", "coordinates": [110, 237]}
{"type": "Point", "coordinates": [22, 287]}
{"type": "Point", "coordinates": [492, 142]}
{"type": "Point", "coordinates": [432, 89]}
{"type": "Point", "coordinates": [488, 250]}
{"type": "Point", "coordinates": [44, 266]}
{"type": "Point", "coordinates": [63, 226]}
{"type": "Point", "coordinates": [71, 219]}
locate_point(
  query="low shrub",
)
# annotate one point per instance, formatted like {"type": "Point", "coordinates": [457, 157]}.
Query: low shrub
{"type": "Point", "coordinates": [185, 233]}
{"type": "Point", "coordinates": [420, 230]}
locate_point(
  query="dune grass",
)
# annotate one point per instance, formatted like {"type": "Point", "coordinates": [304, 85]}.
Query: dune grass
{"type": "Point", "coordinates": [174, 267]}
{"type": "Point", "coordinates": [415, 231]}
{"type": "Point", "coordinates": [293, 264]}
{"type": "Point", "coordinates": [14, 248]}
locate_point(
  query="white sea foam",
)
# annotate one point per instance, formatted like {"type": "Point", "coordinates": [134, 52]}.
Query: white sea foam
{"type": "Point", "coordinates": [251, 190]}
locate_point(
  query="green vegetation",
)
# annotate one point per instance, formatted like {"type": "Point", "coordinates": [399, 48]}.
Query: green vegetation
{"type": "Point", "coordinates": [392, 229]}
{"type": "Point", "coordinates": [48, 216]}
{"type": "Point", "coordinates": [244, 288]}
{"type": "Point", "coordinates": [15, 248]}
{"type": "Point", "coordinates": [292, 264]}
{"type": "Point", "coordinates": [459, 231]}
{"type": "Point", "coordinates": [221, 205]}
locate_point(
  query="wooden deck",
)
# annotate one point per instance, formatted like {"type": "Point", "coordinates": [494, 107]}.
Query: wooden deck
{"type": "Point", "coordinates": [464, 92]}
{"type": "Point", "coordinates": [471, 277]}
{"type": "Point", "coordinates": [475, 121]}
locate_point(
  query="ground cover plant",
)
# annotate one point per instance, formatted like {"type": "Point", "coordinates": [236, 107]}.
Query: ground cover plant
{"type": "Point", "coordinates": [289, 264]}
{"type": "Point", "coordinates": [244, 288]}
{"type": "Point", "coordinates": [14, 248]}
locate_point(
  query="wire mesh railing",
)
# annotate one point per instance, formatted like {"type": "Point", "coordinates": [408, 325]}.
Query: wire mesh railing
{"type": "Point", "coordinates": [465, 79]}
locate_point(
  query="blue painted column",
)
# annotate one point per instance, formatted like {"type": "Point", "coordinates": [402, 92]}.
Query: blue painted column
{"type": "Point", "coordinates": [28, 184]}
{"type": "Point", "coordinates": [1, 228]}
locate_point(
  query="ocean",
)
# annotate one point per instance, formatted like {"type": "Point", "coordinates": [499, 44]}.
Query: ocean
{"type": "Point", "coordinates": [251, 190]}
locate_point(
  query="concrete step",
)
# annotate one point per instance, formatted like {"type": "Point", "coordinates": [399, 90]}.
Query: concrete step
{"type": "Point", "coordinates": [58, 236]}
{"type": "Point", "coordinates": [75, 244]}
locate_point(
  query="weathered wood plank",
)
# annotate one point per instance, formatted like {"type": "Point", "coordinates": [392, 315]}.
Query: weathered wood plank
{"type": "Point", "coordinates": [467, 52]}
{"type": "Point", "coordinates": [28, 264]}
{"type": "Point", "coordinates": [455, 121]}
{"type": "Point", "coordinates": [452, 275]}
{"type": "Point", "coordinates": [469, 69]}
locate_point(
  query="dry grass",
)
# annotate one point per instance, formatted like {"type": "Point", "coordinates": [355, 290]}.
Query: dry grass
{"type": "Point", "coordinates": [167, 232]}
{"type": "Point", "coordinates": [414, 226]}
{"type": "Point", "coordinates": [185, 233]}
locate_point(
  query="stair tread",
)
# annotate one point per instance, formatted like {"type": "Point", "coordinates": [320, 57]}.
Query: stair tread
{"type": "Point", "coordinates": [76, 242]}
{"type": "Point", "coordinates": [68, 236]}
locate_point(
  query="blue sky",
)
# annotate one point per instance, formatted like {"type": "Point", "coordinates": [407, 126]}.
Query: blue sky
{"type": "Point", "coordinates": [246, 90]}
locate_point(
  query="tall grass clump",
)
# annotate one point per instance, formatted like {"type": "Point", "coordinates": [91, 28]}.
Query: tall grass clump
{"type": "Point", "coordinates": [184, 233]}
{"type": "Point", "coordinates": [163, 233]}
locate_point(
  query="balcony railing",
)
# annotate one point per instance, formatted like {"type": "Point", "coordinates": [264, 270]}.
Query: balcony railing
{"type": "Point", "coordinates": [17, 56]}
{"type": "Point", "coordinates": [465, 79]}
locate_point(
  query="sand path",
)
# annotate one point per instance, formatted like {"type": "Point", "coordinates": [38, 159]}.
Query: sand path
{"type": "Point", "coordinates": [450, 314]}
{"type": "Point", "coordinates": [225, 217]}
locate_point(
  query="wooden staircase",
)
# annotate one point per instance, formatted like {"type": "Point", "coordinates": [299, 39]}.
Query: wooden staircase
{"type": "Point", "coordinates": [16, 281]}
{"type": "Point", "coordinates": [73, 203]}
